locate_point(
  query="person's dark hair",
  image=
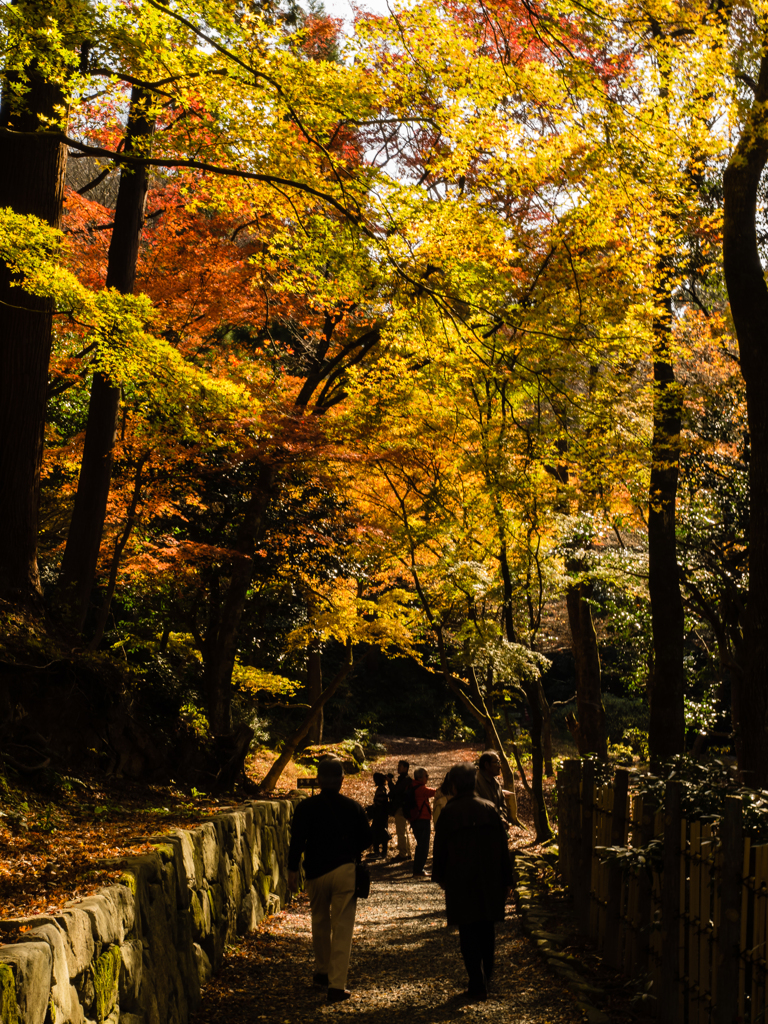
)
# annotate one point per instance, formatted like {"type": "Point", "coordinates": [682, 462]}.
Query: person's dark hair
{"type": "Point", "coordinates": [330, 772]}
{"type": "Point", "coordinates": [379, 778]}
{"type": "Point", "coordinates": [446, 786]}
{"type": "Point", "coordinates": [462, 779]}
{"type": "Point", "coordinates": [488, 758]}
{"type": "Point", "coordinates": [407, 765]}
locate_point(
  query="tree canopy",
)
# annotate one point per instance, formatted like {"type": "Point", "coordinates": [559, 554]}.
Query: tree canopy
{"type": "Point", "coordinates": [319, 340]}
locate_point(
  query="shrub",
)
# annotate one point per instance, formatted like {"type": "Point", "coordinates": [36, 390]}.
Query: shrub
{"type": "Point", "coordinates": [621, 754]}
{"type": "Point", "coordinates": [637, 739]}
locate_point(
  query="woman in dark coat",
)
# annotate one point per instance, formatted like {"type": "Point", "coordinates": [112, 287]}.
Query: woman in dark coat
{"type": "Point", "coordinates": [471, 862]}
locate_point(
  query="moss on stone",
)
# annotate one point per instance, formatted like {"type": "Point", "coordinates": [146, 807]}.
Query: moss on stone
{"type": "Point", "coordinates": [106, 974]}
{"type": "Point", "coordinates": [264, 883]}
{"type": "Point", "coordinates": [128, 880]}
{"type": "Point", "coordinates": [197, 914]}
{"type": "Point", "coordinates": [199, 865]}
{"type": "Point", "coordinates": [9, 1008]}
{"type": "Point", "coordinates": [165, 850]}
{"type": "Point", "coordinates": [52, 1010]}
{"type": "Point", "coordinates": [267, 841]}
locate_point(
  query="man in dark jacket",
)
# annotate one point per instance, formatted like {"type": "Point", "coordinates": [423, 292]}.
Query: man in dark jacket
{"type": "Point", "coordinates": [397, 789]}
{"type": "Point", "coordinates": [331, 831]}
{"type": "Point", "coordinates": [471, 862]}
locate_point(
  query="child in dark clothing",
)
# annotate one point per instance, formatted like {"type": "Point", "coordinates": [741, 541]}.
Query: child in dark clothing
{"type": "Point", "coordinates": [380, 815]}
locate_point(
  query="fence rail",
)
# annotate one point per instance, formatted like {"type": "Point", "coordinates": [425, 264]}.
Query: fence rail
{"type": "Point", "coordinates": [693, 918]}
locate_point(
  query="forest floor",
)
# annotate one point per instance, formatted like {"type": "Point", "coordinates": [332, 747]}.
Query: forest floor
{"type": "Point", "coordinates": [406, 965]}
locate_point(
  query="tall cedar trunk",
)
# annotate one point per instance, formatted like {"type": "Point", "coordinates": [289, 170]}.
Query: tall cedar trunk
{"type": "Point", "coordinates": [31, 182]}
{"type": "Point", "coordinates": [78, 567]}
{"type": "Point", "coordinates": [535, 697]}
{"type": "Point", "coordinates": [589, 698]}
{"type": "Point", "coordinates": [748, 295]}
{"type": "Point", "coordinates": [314, 689]}
{"type": "Point", "coordinates": [667, 726]}
{"type": "Point", "coordinates": [219, 645]}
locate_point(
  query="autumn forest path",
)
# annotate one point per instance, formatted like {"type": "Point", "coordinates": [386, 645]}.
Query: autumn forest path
{"type": "Point", "coordinates": [405, 966]}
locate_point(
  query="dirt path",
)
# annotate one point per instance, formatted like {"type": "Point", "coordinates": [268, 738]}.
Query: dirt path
{"type": "Point", "coordinates": [406, 965]}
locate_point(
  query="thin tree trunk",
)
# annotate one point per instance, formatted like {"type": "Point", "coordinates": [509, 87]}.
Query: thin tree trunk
{"type": "Point", "coordinates": [81, 555]}
{"type": "Point", "coordinates": [219, 645]}
{"type": "Point", "coordinates": [666, 735]}
{"type": "Point", "coordinates": [546, 730]}
{"type": "Point", "coordinates": [291, 744]}
{"type": "Point", "coordinates": [589, 699]}
{"type": "Point", "coordinates": [31, 182]}
{"type": "Point", "coordinates": [219, 648]}
{"type": "Point", "coordinates": [315, 689]}
{"type": "Point", "coordinates": [748, 295]}
{"type": "Point", "coordinates": [120, 543]}
{"type": "Point", "coordinates": [531, 691]}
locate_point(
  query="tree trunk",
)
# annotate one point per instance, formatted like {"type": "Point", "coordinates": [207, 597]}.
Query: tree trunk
{"type": "Point", "coordinates": [122, 540]}
{"type": "Point", "coordinates": [291, 744]}
{"type": "Point", "coordinates": [219, 645]}
{"type": "Point", "coordinates": [589, 698]}
{"type": "Point", "coordinates": [546, 730]}
{"type": "Point", "coordinates": [540, 817]}
{"type": "Point", "coordinates": [31, 182]}
{"type": "Point", "coordinates": [531, 691]}
{"type": "Point", "coordinates": [219, 648]}
{"type": "Point", "coordinates": [748, 295]}
{"type": "Point", "coordinates": [81, 555]}
{"type": "Point", "coordinates": [315, 689]}
{"type": "Point", "coordinates": [666, 734]}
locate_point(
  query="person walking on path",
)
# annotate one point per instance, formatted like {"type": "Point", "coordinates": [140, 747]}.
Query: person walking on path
{"type": "Point", "coordinates": [488, 787]}
{"type": "Point", "coordinates": [331, 831]}
{"type": "Point", "coordinates": [471, 862]}
{"type": "Point", "coordinates": [420, 814]}
{"type": "Point", "coordinates": [442, 796]}
{"type": "Point", "coordinates": [397, 790]}
{"type": "Point", "coordinates": [380, 816]}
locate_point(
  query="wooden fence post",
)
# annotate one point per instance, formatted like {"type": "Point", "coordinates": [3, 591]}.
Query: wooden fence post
{"type": "Point", "coordinates": [562, 825]}
{"type": "Point", "coordinates": [613, 956]}
{"type": "Point", "coordinates": [569, 822]}
{"type": "Point", "coordinates": [727, 965]}
{"type": "Point", "coordinates": [583, 898]}
{"type": "Point", "coordinates": [573, 828]}
{"type": "Point", "coordinates": [645, 888]}
{"type": "Point", "coordinates": [669, 990]}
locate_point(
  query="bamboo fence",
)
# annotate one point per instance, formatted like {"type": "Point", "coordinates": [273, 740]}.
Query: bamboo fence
{"type": "Point", "coordinates": [693, 919]}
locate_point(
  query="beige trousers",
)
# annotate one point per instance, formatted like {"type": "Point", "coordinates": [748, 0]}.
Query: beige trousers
{"type": "Point", "coordinates": [333, 904]}
{"type": "Point", "coordinates": [401, 829]}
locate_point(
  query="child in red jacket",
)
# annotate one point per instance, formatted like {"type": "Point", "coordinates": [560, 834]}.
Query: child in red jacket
{"type": "Point", "coordinates": [420, 815]}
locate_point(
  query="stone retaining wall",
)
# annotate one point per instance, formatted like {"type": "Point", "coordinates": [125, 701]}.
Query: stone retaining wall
{"type": "Point", "coordinates": [139, 951]}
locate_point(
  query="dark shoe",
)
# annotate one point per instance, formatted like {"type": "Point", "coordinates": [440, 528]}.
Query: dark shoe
{"type": "Point", "coordinates": [419, 874]}
{"type": "Point", "coordinates": [338, 995]}
{"type": "Point", "coordinates": [401, 856]}
{"type": "Point", "coordinates": [477, 994]}
{"type": "Point", "coordinates": [320, 980]}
